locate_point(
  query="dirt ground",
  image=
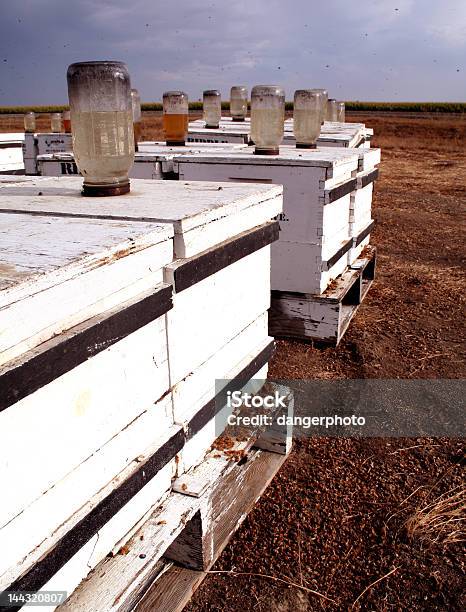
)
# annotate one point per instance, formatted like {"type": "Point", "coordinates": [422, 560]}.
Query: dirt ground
{"type": "Point", "coordinates": [334, 518]}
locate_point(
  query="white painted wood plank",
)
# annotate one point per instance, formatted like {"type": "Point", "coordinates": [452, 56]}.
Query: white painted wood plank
{"type": "Point", "coordinates": [75, 414]}
{"type": "Point", "coordinates": [78, 291]}
{"type": "Point", "coordinates": [44, 516]}
{"type": "Point", "coordinates": [221, 305]}
{"type": "Point", "coordinates": [72, 574]}
{"type": "Point", "coordinates": [37, 553]}
{"type": "Point", "coordinates": [49, 142]}
{"type": "Point", "coordinates": [199, 387]}
{"type": "Point", "coordinates": [298, 267]}
{"type": "Point", "coordinates": [185, 205]}
{"type": "Point", "coordinates": [111, 585]}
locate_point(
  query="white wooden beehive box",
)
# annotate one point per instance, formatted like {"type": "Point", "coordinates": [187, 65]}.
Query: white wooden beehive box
{"type": "Point", "coordinates": [220, 276]}
{"type": "Point", "coordinates": [314, 226]}
{"type": "Point", "coordinates": [11, 153]}
{"type": "Point", "coordinates": [42, 144]}
{"type": "Point", "coordinates": [329, 222]}
{"type": "Point", "coordinates": [84, 383]}
{"type": "Point", "coordinates": [349, 135]}
{"type": "Point", "coordinates": [213, 224]}
{"type": "Point", "coordinates": [154, 160]}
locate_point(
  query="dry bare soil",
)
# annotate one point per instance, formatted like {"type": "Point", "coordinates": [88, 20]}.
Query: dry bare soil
{"type": "Point", "coordinates": [334, 519]}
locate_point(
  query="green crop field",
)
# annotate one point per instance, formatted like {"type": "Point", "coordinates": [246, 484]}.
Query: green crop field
{"type": "Point", "coordinates": [414, 107]}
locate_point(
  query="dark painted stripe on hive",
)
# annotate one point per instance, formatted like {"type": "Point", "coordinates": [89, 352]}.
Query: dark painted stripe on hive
{"type": "Point", "coordinates": [369, 178]}
{"type": "Point", "coordinates": [333, 260]}
{"type": "Point", "coordinates": [344, 189]}
{"type": "Point", "coordinates": [79, 344]}
{"type": "Point", "coordinates": [87, 527]}
{"type": "Point", "coordinates": [199, 267]}
{"type": "Point", "coordinates": [364, 234]}
{"type": "Point", "coordinates": [208, 412]}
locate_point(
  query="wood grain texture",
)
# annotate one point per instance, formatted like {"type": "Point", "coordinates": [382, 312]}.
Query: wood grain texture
{"type": "Point", "coordinates": [323, 318]}
{"type": "Point", "coordinates": [88, 526]}
{"type": "Point", "coordinates": [175, 586]}
{"type": "Point", "coordinates": [188, 272]}
{"type": "Point", "coordinates": [52, 359]}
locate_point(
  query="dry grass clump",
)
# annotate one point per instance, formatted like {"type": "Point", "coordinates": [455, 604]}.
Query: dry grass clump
{"type": "Point", "coordinates": [442, 520]}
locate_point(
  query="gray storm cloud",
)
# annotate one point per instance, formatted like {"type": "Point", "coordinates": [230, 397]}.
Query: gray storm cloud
{"type": "Point", "coordinates": [378, 50]}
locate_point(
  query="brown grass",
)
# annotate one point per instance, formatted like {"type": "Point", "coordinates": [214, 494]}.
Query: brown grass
{"type": "Point", "coordinates": [441, 521]}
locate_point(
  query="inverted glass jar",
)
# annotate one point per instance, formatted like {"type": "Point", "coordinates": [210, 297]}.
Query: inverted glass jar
{"type": "Point", "coordinates": [212, 108]}
{"type": "Point", "coordinates": [66, 122]}
{"type": "Point", "coordinates": [267, 118]}
{"type": "Point", "coordinates": [101, 114]}
{"type": "Point", "coordinates": [331, 110]}
{"type": "Point", "coordinates": [137, 115]}
{"type": "Point", "coordinates": [341, 112]}
{"type": "Point", "coordinates": [56, 123]}
{"type": "Point", "coordinates": [324, 93]}
{"type": "Point", "coordinates": [307, 114]}
{"type": "Point", "coordinates": [238, 102]}
{"type": "Point", "coordinates": [175, 117]}
{"type": "Point", "coordinates": [30, 123]}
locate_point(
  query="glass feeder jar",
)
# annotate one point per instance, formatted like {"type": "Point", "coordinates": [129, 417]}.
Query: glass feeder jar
{"type": "Point", "coordinates": [212, 107]}
{"type": "Point", "coordinates": [238, 102]}
{"type": "Point", "coordinates": [324, 93]}
{"type": "Point", "coordinates": [267, 118]}
{"type": "Point", "coordinates": [56, 123]}
{"type": "Point", "coordinates": [341, 112]}
{"type": "Point", "coordinates": [175, 117]}
{"type": "Point", "coordinates": [331, 110]}
{"type": "Point", "coordinates": [66, 116]}
{"type": "Point", "coordinates": [137, 116]}
{"type": "Point", "coordinates": [101, 114]}
{"type": "Point", "coordinates": [30, 122]}
{"type": "Point", "coordinates": [307, 114]}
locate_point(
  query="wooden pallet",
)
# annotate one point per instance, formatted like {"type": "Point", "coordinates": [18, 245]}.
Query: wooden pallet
{"type": "Point", "coordinates": [166, 556]}
{"type": "Point", "coordinates": [323, 318]}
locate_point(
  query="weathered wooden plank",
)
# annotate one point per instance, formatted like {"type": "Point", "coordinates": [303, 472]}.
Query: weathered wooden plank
{"type": "Point", "coordinates": [88, 521]}
{"type": "Point", "coordinates": [40, 366]}
{"type": "Point", "coordinates": [323, 318]}
{"type": "Point", "coordinates": [38, 523]}
{"type": "Point", "coordinates": [80, 277]}
{"type": "Point", "coordinates": [222, 305]}
{"type": "Point", "coordinates": [199, 387]}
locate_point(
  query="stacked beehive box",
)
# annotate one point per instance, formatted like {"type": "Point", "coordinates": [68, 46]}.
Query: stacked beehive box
{"type": "Point", "coordinates": [41, 144]}
{"type": "Point", "coordinates": [327, 219]}
{"type": "Point", "coordinates": [319, 238]}
{"type": "Point", "coordinates": [154, 160]}
{"type": "Point", "coordinates": [11, 158]}
{"type": "Point", "coordinates": [332, 134]}
{"type": "Point", "coordinates": [114, 377]}
{"type": "Point", "coordinates": [314, 227]}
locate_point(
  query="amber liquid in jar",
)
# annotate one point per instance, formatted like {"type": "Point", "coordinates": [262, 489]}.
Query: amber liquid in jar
{"type": "Point", "coordinates": [175, 128]}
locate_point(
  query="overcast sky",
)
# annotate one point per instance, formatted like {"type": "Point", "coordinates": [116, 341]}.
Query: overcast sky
{"type": "Point", "coordinates": [358, 49]}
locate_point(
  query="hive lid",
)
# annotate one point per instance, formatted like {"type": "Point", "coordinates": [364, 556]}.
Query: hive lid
{"type": "Point", "coordinates": [325, 157]}
{"type": "Point", "coordinates": [185, 205]}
